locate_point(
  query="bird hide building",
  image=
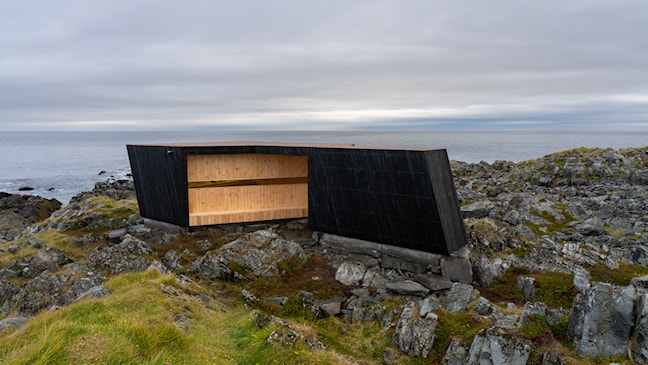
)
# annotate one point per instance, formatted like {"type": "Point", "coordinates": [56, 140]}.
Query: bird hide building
{"type": "Point", "coordinates": [397, 196]}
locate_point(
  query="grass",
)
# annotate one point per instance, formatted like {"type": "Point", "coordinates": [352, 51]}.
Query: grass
{"type": "Point", "coordinates": [136, 324]}
{"type": "Point", "coordinates": [620, 276]}
{"type": "Point", "coordinates": [553, 288]}
{"type": "Point", "coordinates": [554, 224]}
{"type": "Point", "coordinates": [314, 275]}
{"type": "Point", "coordinates": [461, 325]}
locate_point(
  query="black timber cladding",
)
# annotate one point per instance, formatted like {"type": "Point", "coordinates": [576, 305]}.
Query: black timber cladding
{"type": "Point", "coordinates": [402, 197]}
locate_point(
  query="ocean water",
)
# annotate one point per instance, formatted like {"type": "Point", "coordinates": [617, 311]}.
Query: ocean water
{"type": "Point", "coordinates": [62, 164]}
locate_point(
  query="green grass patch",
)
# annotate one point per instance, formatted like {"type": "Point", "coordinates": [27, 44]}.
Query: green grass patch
{"type": "Point", "coordinates": [137, 324]}
{"type": "Point", "coordinates": [619, 276]}
{"type": "Point", "coordinates": [461, 325]}
{"type": "Point", "coordinates": [553, 288]}
{"type": "Point", "coordinates": [314, 275]}
{"type": "Point", "coordinates": [535, 327]}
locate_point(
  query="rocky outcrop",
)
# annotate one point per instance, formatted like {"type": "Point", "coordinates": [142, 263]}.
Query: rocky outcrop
{"type": "Point", "coordinates": [415, 335]}
{"type": "Point", "coordinates": [562, 213]}
{"type": "Point", "coordinates": [602, 319]}
{"type": "Point", "coordinates": [256, 254]}
{"type": "Point", "coordinates": [17, 212]}
{"type": "Point", "coordinates": [498, 347]}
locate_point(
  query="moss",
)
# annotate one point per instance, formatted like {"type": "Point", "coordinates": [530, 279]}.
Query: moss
{"type": "Point", "coordinates": [553, 288]}
{"type": "Point", "coordinates": [459, 325]}
{"type": "Point", "coordinates": [315, 275]}
{"type": "Point", "coordinates": [535, 327]}
{"type": "Point", "coordinates": [620, 276]}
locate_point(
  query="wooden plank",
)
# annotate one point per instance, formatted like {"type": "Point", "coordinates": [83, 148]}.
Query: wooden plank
{"type": "Point", "coordinates": [244, 182]}
{"type": "Point", "coordinates": [245, 166]}
{"type": "Point", "coordinates": [244, 198]}
{"type": "Point", "coordinates": [209, 218]}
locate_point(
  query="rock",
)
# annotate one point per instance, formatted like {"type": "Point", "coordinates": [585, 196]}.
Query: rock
{"type": "Point", "coordinates": [506, 320]}
{"type": "Point", "coordinates": [283, 339]}
{"type": "Point", "coordinates": [7, 274]}
{"type": "Point", "coordinates": [428, 305]}
{"type": "Point", "coordinates": [532, 308]}
{"type": "Point", "coordinates": [331, 307]}
{"type": "Point", "coordinates": [459, 297]}
{"type": "Point", "coordinates": [25, 188]}
{"type": "Point", "coordinates": [581, 279]}
{"type": "Point", "coordinates": [592, 226]}
{"type": "Point", "coordinates": [373, 279]}
{"type": "Point", "coordinates": [639, 338]}
{"type": "Point", "coordinates": [172, 260]}
{"type": "Point", "coordinates": [259, 252]}
{"type": "Point", "coordinates": [17, 212]}
{"type": "Point", "coordinates": [549, 358]}
{"type": "Point", "coordinates": [306, 297]}
{"type": "Point", "coordinates": [127, 256]}
{"type": "Point", "coordinates": [249, 297]}
{"type": "Point", "coordinates": [456, 353]}
{"type": "Point", "coordinates": [35, 242]}
{"type": "Point", "coordinates": [433, 282]}
{"type": "Point", "coordinates": [486, 270]}
{"type": "Point", "coordinates": [407, 287]}
{"type": "Point", "coordinates": [261, 320]}
{"type": "Point", "coordinates": [601, 320]}
{"type": "Point", "coordinates": [527, 285]}
{"type": "Point", "coordinates": [116, 235]}
{"type": "Point", "coordinates": [95, 292]}
{"type": "Point", "coordinates": [279, 301]}
{"type": "Point", "coordinates": [414, 335]}
{"type": "Point", "coordinates": [390, 262]}
{"type": "Point", "coordinates": [350, 273]}
{"type": "Point", "coordinates": [497, 347]}
{"type": "Point", "coordinates": [457, 269]}
{"type": "Point", "coordinates": [478, 209]}
{"type": "Point", "coordinates": [13, 322]}
{"type": "Point", "coordinates": [13, 249]}
{"type": "Point", "coordinates": [484, 307]}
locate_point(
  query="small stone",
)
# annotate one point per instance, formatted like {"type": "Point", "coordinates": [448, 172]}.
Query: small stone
{"type": "Point", "coordinates": [433, 282]}
{"type": "Point", "coordinates": [12, 249]}
{"type": "Point", "coordinates": [331, 308]}
{"type": "Point", "coordinates": [280, 301]}
{"type": "Point", "coordinates": [350, 273]}
{"type": "Point", "coordinates": [484, 307]}
{"type": "Point", "coordinates": [261, 320]}
{"type": "Point", "coordinates": [306, 297]}
{"type": "Point", "coordinates": [407, 287]}
{"type": "Point", "coordinates": [249, 296]}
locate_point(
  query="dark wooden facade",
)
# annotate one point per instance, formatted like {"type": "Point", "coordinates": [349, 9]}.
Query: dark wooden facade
{"type": "Point", "coordinates": [401, 197]}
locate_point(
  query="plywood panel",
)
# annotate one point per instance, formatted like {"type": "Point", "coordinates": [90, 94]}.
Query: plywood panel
{"type": "Point", "coordinates": [204, 219]}
{"type": "Point", "coordinates": [245, 166]}
{"type": "Point", "coordinates": [252, 197]}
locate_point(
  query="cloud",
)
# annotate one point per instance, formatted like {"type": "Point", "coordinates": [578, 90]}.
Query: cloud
{"type": "Point", "coordinates": [326, 65]}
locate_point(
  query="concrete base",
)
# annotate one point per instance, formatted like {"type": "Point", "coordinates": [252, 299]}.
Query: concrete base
{"type": "Point", "coordinates": [164, 226]}
{"type": "Point", "coordinates": [367, 247]}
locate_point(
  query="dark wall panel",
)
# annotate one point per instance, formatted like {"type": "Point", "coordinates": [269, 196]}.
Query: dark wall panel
{"type": "Point", "coordinates": [160, 176]}
{"type": "Point", "coordinates": [377, 195]}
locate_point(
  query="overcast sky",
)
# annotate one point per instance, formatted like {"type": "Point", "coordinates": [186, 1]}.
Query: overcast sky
{"type": "Point", "coordinates": [322, 65]}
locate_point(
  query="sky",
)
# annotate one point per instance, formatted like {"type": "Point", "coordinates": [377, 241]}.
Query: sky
{"type": "Point", "coordinates": [324, 65]}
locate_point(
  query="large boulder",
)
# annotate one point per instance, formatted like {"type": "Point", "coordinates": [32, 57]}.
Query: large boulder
{"type": "Point", "coordinates": [415, 335]}
{"type": "Point", "coordinates": [498, 347]}
{"type": "Point", "coordinates": [19, 211]}
{"type": "Point", "coordinates": [257, 252]}
{"type": "Point", "coordinates": [601, 320]}
{"type": "Point", "coordinates": [127, 256]}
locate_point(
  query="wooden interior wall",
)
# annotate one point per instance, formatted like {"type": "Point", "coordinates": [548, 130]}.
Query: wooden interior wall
{"type": "Point", "coordinates": [231, 188]}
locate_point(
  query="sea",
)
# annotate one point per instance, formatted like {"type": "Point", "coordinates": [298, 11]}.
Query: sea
{"type": "Point", "coordinates": [62, 164]}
